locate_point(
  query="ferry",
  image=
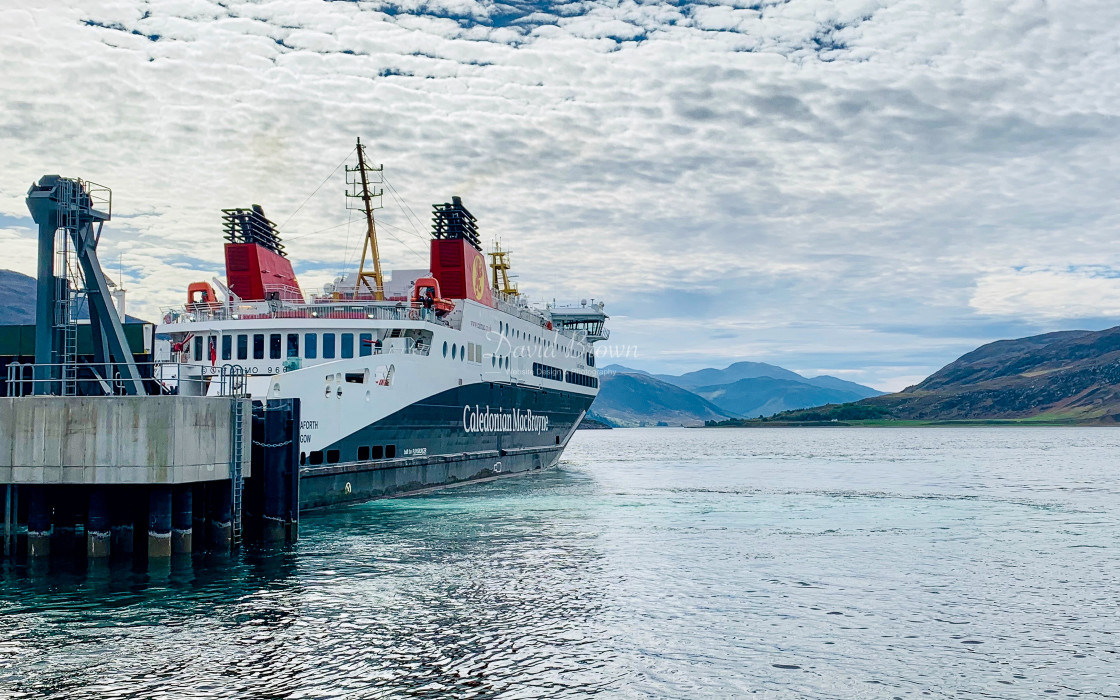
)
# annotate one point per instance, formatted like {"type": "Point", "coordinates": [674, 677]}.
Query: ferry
{"type": "Point", "coordinates": [418, 379]}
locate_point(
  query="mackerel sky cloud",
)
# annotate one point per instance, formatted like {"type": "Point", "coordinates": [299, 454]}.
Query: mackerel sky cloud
{"type": "Point", "coordinates": [864, 188]}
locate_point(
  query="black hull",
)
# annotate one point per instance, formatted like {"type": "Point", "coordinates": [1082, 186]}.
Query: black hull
{"type": "Point", "coordinates": [465, 434]}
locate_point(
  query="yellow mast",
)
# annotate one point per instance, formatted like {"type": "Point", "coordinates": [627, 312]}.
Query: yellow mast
{"type": "Point", "coordinates": [499, 264]}
{"type": "Point", "coordinates": [362, 191]}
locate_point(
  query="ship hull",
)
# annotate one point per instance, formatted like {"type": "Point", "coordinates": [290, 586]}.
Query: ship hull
{"type": "Point", "coordinates": [464, 434]}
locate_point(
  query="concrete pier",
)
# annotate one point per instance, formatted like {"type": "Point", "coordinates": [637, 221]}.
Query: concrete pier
{"type": "Point", "coordinates": [220, 518]}
{"type": "Point", "coordinates": [98, 532]}
{"type": "Point", "coordinates": [150, 476]}
{"type": "Point", "coordinates": [159, 522]}
{"type": "Point", "coordinates": [68, 512]}
{"type": "Point", "coordinates": [106, 440]}
{"type": "Point", "coordinates": [38, 523]}
{"type": "Point", "coordinates": [93, 469]}
{"type": "Point", "coordinates": [122, 516]}
{"type": "Point", "coordinates": [198, 517]}
{"type": "Point", "coordinates": [182, 517]}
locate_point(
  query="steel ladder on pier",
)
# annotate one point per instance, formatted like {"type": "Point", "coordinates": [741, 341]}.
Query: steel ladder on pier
{"type": "Point", "coordinates": [236, 477]}
{"type": "Point", "coordinates": [69, 285]}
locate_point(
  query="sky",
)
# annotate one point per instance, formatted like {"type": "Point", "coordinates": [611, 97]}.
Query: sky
{"type": "Point", "coordinates": [862, 188]}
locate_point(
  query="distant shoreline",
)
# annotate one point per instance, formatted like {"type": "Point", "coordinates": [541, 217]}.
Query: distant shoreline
{"type": "Point", "coordinates": [962, 423]}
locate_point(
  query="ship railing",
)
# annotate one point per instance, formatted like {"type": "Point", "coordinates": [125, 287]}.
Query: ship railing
{"type": "Point", "coordinates": [512, 306]}
{"type": "Point", "coordinates": [161, 378]}
{"type": "Point", "coordinates": [378, 311]}
{"type": "Point", "coordinates": [284, 292]}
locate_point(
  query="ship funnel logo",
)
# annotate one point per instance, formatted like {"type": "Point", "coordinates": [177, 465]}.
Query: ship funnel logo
{"type": "Point", "coordinates": [478, 419]}
{"type": "Point", "coordinates": [478, 273]}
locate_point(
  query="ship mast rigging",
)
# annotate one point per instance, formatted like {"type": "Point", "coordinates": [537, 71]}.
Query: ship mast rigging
{"type": "Point", "coordinates": [359, 180]}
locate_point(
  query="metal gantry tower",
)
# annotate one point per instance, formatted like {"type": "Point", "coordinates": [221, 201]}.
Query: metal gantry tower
{"type": "Point", "coordinates": [66, 210]}
{"type": "Point", "coordinates": [360, 179]}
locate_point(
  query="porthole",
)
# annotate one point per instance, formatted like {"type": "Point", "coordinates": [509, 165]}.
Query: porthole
{"type": "Point", "coordinates": [492, 362]}
{"type": "Point", "coordinates": [445, 348]}
{"type": "Point", "coordinates": [453, 350]}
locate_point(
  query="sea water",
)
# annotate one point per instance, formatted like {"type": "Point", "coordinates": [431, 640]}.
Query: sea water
{"type": "Point", "coordinates": [654, 563]}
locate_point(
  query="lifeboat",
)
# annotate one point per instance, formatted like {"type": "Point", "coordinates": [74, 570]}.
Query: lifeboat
{"type": "Point", "coordinates": [426, 293]}
{"type": "Point", "coordinates": [200, 295]}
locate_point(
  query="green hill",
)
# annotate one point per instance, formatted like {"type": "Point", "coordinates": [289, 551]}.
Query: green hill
{"type": "Point", "coordinates": [765, 396]}
{"type": "Point", "coordinates": [1067, 377]}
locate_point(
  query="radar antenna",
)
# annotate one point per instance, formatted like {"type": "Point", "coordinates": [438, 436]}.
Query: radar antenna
{"type": "Point", "coordinates": [358, 182]}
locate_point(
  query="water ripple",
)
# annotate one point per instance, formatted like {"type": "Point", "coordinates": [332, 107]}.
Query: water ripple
{"type": "Point", "coordinates": [656, 563]}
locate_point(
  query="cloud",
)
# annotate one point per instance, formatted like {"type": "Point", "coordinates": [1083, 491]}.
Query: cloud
{"type": "Point", "coordinates": [1049, 294]}
{"type": "Point", "coordinates": [835, 183]}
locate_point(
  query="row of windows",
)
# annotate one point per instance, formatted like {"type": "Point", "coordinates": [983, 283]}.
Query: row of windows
{"type": "Point", "coordinates": [470, 351]}
{"type": "Point", "coordinates": [365, 452]}
{"type": "Point", "coordinates": [546, 372]}
{"type": "Point", "coordinates": [473, 352]}
{"type": "Point", "coordinates": [287, 345]}
{"type": "Point", "coordinates": [506, 330]}
{"type": "Point", "coordinates": [581, 379]}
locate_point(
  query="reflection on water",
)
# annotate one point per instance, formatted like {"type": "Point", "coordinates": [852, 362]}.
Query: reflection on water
{"type": "Point", "coordinates": [654, 563]}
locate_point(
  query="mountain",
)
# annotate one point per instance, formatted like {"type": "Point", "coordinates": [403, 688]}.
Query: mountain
{"type": "Point", "coordinates": [764, 396]}
{"type": "Point", "coordinates": [1072, 375]}
{"type": "Point", "coordinates": [826, 381]}
{"type": "Point", "coordinates": [727, 375]}
{"type": "Point", "coordinates": [753, 388]}
{"type": "Point", "coordinates": [1069, 377]}
{"type": "Point", "coordinates": [17, 298]}
{"type": "Point", "coordinates": [630, 400]}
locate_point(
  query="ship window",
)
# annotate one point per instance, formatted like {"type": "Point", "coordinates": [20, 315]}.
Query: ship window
{"type": "Point", "coordinates": [356, 377]}
{"type": "Point", "coordinates": [328, 346]}
{"type": "Point", "coordinates": [293, 345]}
{"type": "Point", "coordinates": [445, 348]}
{"type": "Point", "coordinates": [454, 349]}
{"type": "Point", "coordinates": [365, 344]}
{"type": "Point", "coordinates": [363, 453]}
{"type": "Point", "coordinates": [274, 346]}
{"type": "Point", "coordinates": [303, 458]}
{"type": "Point", "coordinates": [390, 451]}
{"type": "Point", "coordinates": [347, 343]}
{"type": "Point", "coordinates": [315, 457]}
{"type": "Point", "coordinates": [227, 347]}
{"type": "Point", "coordinates": [332, 456]}
{"type": "Point", "coordinates": [242, 347]}
{"type": "Point", "coordinates": [493, 361]}
{"type": "Point", "coordinates": [258, 346]}
{"type": "Point", "coordinates": [378, 452]}
{"type": "Point", "coordinates": [310, 345]}
{"type": "Point", "coordinates": [198, 348]}
{"type": "Point", "coordinates": [463, 353]}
